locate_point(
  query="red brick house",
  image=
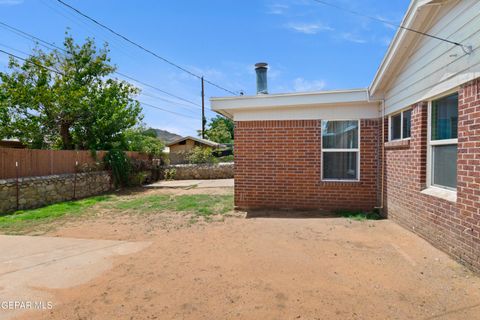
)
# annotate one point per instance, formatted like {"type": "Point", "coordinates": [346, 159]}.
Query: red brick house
{"type": "Point", "coordinates": [408, 145]}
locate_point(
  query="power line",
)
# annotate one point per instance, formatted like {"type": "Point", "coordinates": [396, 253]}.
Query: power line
{"type": "Point", "coordinates": [61, 73]}
{"type": "Point", "coordinates": [13, 49]}
{"type": "Point", "coordinates": [47, 44]}
{"type": "Point", "coordinates": [158, 89]}
{"type": "Point", "coordinates": [466, 49]}
{"type": "Point", "coordinates": [31, 62]}
{"type": "Point", "coordinates": [169, 111]}
{"type": "Point", "coordinates": [142, 47]}
{"type": "Point", "coordinates": [85, 25]}
{"type": "Point", "coordinates": [187, 107]}
{"type": "Point", "coordinates": [152, 95]}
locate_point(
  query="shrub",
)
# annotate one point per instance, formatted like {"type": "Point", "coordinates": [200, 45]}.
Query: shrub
{"type": "Point", "coordinates": [119, 164]}
{"type": "Point", "coordinates": [200, 155]}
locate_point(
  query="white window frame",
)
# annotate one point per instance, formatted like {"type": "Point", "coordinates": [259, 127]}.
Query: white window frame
{"type": "Point", "coordinates": [431, 143]}
{"type": "Point", "coordinates": [401, 125]}
{"type": "Point", "coordinates": [357, 150]}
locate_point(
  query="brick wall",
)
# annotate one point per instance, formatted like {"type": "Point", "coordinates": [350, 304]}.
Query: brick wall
{"type": "Point", "coordinates": [452, 227]}
{"type": "Point", "coordinates": [278, 165]}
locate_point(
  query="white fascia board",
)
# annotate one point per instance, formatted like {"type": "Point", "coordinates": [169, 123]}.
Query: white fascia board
{"type": "Point", "coordinates": [396, 45]}
{"type": "Point", "coordinates": [345, 111]}
{"type": "Point", "coordinates": [294, 100]}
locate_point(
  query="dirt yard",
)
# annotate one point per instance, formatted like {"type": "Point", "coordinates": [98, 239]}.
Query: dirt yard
{"type": "Point", "coordinates": [235, 266]}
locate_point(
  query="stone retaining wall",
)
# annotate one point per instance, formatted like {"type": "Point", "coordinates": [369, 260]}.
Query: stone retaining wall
{"type": "Point", "coordinates": [201, 171]}
{"type": "Point", "coordinates": [35, 192]}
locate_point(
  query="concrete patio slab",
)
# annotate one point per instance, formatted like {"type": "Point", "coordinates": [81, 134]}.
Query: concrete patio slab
{"type": "Point", "coordinates": [214, 183]}
{"type": "Point", "coordinates": [29, 266]}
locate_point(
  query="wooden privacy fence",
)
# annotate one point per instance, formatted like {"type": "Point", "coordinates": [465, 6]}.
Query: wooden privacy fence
{"type": "Point", "coordinates": [32, 162]}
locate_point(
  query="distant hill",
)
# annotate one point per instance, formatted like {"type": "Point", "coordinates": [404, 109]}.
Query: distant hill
{"type": "Point", "coordinates": [166, 136]}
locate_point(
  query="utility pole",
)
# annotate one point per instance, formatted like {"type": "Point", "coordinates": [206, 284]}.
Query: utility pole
{"type": "Point", "coordinates": [203, 109]}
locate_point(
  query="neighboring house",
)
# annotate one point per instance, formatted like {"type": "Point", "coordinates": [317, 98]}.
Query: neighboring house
{"type": "Point", "coordinates": [12, 143]}
{"type": "Point", "coordinates": [409, 144]}
{"type": "Point", "coordinates": [179, 148]}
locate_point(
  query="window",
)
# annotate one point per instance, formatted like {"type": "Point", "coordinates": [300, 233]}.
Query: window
{"type": "Point", "coordinates": [400, 125]}
{"type": "Point", "coordinates": [396, 127]}
{"type": "Point", "coordinates": [407, 124]}
{"type": "Point", "coordinates": [443, 142]}
{"type": "Point", "coordinates": [340, 150]}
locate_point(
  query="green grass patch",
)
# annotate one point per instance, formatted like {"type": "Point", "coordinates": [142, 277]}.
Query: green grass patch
{"type": "Point", "coordinates": [198, 204]}
{"type": "Point", "coordinates": [40, 220]}
{"type": "Point", "coordinates": [24, 218]}
{"type": "Point", "coordinates": [360, 215]}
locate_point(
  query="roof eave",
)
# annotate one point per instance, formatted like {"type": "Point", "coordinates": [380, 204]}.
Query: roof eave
{"type": "Point", "coordinates": [203, 141]}
{"type": "Point", "coordinates": [227, 106]}
{"type": "Point", "coordinates": [395, 48]}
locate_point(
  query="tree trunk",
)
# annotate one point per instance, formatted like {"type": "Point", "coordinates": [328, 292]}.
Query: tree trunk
{"type": "Point", "coordinates": [66, 136]}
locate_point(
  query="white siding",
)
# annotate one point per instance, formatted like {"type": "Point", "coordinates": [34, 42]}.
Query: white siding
{"type": "Point", "coordinates": [436, 66]}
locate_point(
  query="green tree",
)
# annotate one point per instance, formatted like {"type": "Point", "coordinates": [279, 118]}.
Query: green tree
{"type": "Point", "coordinates": [145, 141]}
{"type": "Point", "coordinates": [199, 155]}
{"type": "Point", "coordinates": [5, 125]}
{"type": "Point", "coordinates": [67, 99]}
{"type": "Point", "coordinates": [220, 129]}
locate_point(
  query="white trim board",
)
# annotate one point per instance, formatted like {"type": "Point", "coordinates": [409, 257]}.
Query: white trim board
{"type": "Point", "coordinates": [329, 105]}
{"type": "Point", "coordinates": [290, 99]}
{"type": "Point", "coordinates": [325, 112]}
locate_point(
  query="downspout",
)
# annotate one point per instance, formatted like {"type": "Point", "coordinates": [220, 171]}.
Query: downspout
{"type": "Point", "coordinates": [382, 123]}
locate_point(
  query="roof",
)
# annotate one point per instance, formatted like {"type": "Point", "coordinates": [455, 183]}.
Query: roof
{"type": "Point", "coordinates": [419, 16]}
{"type": "Point", "coordinates": [199, 140]}
{"type": "Point", "coordinates": [227, 105]}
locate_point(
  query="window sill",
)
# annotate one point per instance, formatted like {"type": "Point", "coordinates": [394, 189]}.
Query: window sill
{"type": "Point", "coordinates": [339, 182]}
{"type": "Point", "coordinates": [398, 144]}
{"type": "Point", "coordinates": [441, 193]}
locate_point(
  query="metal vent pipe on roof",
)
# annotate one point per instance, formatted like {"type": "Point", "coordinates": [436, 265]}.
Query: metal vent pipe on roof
{"type": "Point", "coordinates": [261, 70]}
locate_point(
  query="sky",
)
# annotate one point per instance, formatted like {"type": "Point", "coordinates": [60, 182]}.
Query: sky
{"type": "Point", "coordinates": [308, 46]}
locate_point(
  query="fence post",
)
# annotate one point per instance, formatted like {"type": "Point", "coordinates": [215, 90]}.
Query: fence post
{"type": "Point", "coordinates": [75, 181]}
{"type": "Point", "coordinates": [51, 161]}
{"type": "Point", "coordinates": [18, 189]}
